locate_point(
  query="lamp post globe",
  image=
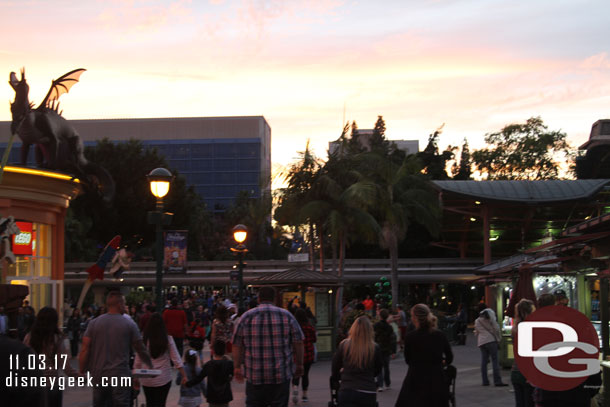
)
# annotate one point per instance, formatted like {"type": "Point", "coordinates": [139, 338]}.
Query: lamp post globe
{"type": "Point", "coordinates": [159, 179]}
{"type": "Point", "coordinates": [240, 233]}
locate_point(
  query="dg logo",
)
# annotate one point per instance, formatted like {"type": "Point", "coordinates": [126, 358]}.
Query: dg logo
{"type": "Point", "coordinates": [557, 348]}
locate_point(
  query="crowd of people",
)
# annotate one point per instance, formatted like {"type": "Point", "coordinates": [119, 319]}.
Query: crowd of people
{"type": "Point", "coordinates": [270, 347]}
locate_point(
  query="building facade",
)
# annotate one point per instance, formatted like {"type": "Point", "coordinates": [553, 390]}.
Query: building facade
{"type": "Point", "coordinates": [218, 156]}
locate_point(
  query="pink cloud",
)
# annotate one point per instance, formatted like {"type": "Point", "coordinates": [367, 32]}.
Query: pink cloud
{"type": "Point", "coordinates": [258, 14]}
{"type": "Point", "coordinates": [597, 61]}
{"type": "Point", "coordinates": [143, 15]}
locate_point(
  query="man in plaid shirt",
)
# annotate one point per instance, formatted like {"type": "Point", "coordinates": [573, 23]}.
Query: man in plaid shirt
{"type": "Point", "coordinates": [269, 342]}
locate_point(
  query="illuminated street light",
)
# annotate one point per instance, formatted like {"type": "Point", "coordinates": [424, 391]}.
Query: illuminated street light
{"type": "Point", "coordinates": [240, 234]}
{"type": "Point", "coordinates": [159, 180]}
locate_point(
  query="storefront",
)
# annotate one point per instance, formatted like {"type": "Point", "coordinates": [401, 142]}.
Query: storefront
{"type": "Point", "coordinates": [547, 276]}
{"type": "Point", "coordinates": [38, 201]}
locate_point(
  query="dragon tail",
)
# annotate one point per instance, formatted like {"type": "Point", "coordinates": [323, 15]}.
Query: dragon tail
{"type": "Point", "coordinates": [100, 180]}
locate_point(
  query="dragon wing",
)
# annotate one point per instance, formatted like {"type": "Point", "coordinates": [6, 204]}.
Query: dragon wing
{"type": "Point", "coordinates": [60, 86]}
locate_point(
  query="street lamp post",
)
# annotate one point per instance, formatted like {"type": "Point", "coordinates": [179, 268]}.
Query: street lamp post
{"type": "Point", "coordinates": [240, 233]}
{"type": "Point", "coordinates": [159, 180]}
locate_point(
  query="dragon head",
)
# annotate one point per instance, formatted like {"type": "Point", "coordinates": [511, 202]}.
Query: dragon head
{"type": "Point", "coordinates": [20, 86]}
{"type": "Point", "coordinates": [21, 104]}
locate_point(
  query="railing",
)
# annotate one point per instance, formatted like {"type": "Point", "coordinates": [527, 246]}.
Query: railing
{"type": "Point", "coordinates": [355, 270]}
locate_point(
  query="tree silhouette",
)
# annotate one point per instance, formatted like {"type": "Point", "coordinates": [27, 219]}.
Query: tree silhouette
{"type": "Point", "coordinates": [527, 151]}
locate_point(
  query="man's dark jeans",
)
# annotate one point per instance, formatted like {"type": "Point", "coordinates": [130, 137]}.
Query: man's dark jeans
{"type": "Point", "coordinates": [267, 395]}
{"type": "Point", "coordinates": [384, 375]}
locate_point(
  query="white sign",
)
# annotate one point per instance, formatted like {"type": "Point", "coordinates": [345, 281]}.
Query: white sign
{"type": "Point", "coordinates": [298, 257]}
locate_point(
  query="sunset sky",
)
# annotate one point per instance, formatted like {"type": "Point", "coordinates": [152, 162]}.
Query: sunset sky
{"type": "Point", "coordinates": [474, 65]}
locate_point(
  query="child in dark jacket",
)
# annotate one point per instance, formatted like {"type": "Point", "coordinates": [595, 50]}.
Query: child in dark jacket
{"type": "Point", "coordinates": [190, 396]}
{"type": "Point", "coordinates": [219, 372]}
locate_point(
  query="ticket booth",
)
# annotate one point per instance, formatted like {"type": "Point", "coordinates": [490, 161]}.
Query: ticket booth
{"type": "Point", "coordinates": [317, 290]}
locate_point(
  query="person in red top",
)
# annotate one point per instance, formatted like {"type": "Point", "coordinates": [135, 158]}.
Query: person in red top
{"type": "Point", "coordinates": [308, 356]}
{"type": "Point", "coordinates": [145, 317]}
{"type": "Point", "coordinates": [176, 324]}
{"type": "Point", "coordinates": [368, 305]}
{"type": "Point", "coordinates": [196, 337]}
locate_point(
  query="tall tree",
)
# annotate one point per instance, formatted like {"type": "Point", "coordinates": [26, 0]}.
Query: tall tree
{"type": "Point", "coordinates": [404, 196]}
{"type": "Point", "coordinates": [523, 151]}
{"type": "Point", "coordinates": [463, 171]}
{"type": "Point", "coordinates": [344, 199]}
{"type": "Point", "coordinates": [354, 144]}
{"type": "Point", "coordinates": [378, 139]}
{"type": "Point", "coordinates": [300, 178]}
{"type": "Point", "coordinates": [95, 222]}
{"type": "Point", "coordinates": [433, 162]}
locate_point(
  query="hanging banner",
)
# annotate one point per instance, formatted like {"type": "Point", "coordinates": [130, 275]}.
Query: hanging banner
{"type": "Point", "coordinates": [174, 259]}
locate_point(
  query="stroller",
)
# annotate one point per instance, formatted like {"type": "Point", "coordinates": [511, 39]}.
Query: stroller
{"type": "Point", "coordinates": [450, 375]}
{"type": "Point", "coordinates": [334, 393]}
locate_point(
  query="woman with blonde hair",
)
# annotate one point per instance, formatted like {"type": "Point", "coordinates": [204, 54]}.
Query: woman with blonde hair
{"type": "Point", "coordinates": [427, 351]}
{"type": "Point", "coordinates": [356, 363]}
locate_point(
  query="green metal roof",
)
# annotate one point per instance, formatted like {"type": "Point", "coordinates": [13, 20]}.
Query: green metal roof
{"type": "Point", "coordinates": [298, 275]}
{"type": "Point", "coordinates": [525, 191]}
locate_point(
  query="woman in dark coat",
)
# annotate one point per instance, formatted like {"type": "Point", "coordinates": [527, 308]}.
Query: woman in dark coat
{"type": "Point", "coordinates": [427, 350]}
{"type": "Point", "coordinates": [73, 328]}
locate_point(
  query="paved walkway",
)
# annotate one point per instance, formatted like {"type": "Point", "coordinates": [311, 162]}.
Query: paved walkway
{"type": "Point", "coordinates": [469, 392]}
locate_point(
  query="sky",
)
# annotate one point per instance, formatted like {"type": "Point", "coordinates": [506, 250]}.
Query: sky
{"type": "Point", "coordinates": [309, 66]}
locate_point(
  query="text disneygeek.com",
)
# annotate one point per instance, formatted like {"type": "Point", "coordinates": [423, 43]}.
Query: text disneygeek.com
{"type": "Point", "coordinates": [15, 380]}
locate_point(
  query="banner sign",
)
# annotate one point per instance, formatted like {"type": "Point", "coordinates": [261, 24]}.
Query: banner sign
{"type": "Point", "coordinates": [174, 259]}
{"type": "Point", "coordinates": [22, 243]}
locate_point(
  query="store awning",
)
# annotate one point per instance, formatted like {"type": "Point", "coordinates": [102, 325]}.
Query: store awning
{"type": "Point", "coordinates": [532, 192]}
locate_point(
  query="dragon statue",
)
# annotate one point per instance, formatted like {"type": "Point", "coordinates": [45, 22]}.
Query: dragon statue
{"type": "Point", "coordinates": [8, 227]}
{"type": "Point", "coordinates": [57, 144]}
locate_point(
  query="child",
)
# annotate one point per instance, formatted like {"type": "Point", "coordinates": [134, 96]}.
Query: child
{"type": "Point", "coordinates": [197, 337]}
{"type": "Point", "coordinates": [219, 372]}
{"type": "Point", "coordinates": [190, 396]}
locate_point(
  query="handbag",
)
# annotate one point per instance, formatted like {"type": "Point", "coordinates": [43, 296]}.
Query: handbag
{"type": "Point", "coordinates": [497, 335]}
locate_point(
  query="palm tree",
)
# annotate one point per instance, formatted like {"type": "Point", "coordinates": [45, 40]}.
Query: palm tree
{"type": "Point", "coordinates": [301, 178]}
{"type": "Point", "coordinates": [404, 196]}
{"type": "Point", "coordinates": [344, 200]}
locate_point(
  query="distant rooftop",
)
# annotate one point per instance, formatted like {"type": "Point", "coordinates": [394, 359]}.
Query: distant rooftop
{"type": "Point", "coordinates": [408, 146]}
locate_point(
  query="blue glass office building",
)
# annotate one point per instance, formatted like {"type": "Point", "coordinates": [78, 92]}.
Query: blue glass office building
{"type": "Point", "coordinates": [218, 156]}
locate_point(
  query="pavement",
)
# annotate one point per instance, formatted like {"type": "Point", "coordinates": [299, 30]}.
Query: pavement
{"type": "Point", "coordinates": [469, 391]}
